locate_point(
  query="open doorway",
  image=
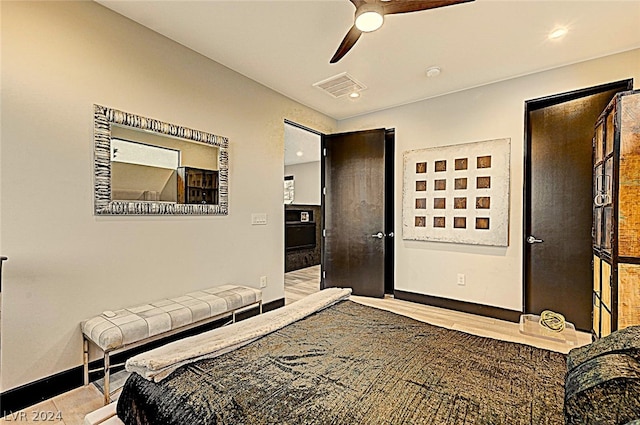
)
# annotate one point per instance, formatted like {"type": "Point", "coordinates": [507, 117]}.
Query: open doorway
{"type": "Point", "coordinates": [302, 211]}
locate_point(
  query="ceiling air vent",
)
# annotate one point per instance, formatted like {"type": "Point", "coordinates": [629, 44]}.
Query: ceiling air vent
{"type": "Point", "coordinates": [340, 85]}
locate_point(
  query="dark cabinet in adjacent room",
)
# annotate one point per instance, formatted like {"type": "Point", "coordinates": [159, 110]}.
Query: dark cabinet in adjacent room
{"type": "Point", "coordinates": [197, 186]}
{"type": "Point", "coordinates": [616, 215]}
{"type": "Point", "coordinates": [302, 236]}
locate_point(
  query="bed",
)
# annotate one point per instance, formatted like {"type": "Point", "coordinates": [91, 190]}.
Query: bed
{"type": "Point", "coordinates": [330, 360]}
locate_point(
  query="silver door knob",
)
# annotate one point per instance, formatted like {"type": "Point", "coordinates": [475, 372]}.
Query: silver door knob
{"type": "Point", "coordinates": [532, 239]}
{"type": "Point", "coordinates": [378, 235]}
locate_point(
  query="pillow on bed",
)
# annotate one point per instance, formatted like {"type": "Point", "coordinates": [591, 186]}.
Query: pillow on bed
{"type": "Point", "coordinates": [603, 381]}
{"type": "Point", "coordinates": [625, 341]}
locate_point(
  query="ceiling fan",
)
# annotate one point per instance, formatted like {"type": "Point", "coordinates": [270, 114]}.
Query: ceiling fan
{"type": "Point", "coordinates": [370, 16]}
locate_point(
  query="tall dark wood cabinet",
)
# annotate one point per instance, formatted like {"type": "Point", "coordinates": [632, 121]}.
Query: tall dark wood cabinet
{"type": "Point", "coordinates": [197, 186]}
{"type": "Point", "coordinates": [616, 215]}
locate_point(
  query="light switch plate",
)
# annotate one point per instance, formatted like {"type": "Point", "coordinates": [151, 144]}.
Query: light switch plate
{"type": "Point", "coordinates": [258, 219]}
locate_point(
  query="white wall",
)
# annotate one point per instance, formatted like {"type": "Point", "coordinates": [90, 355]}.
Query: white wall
{"type": "Point", "coordinates": [494, 275]}
{"type": "Point", "coordinates": [58, 59]}
{"type": "Point", "coordinates": [306, 179]}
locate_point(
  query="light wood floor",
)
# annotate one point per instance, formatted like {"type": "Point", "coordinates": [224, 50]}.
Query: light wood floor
{"type": "Point", "coordinates": [75, 404]}
{"type": "Point", "coordinates": [300, 283]}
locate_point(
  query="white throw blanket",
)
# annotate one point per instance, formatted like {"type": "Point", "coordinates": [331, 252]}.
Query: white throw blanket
{"type": "Point", "coordinates": [157, 364]}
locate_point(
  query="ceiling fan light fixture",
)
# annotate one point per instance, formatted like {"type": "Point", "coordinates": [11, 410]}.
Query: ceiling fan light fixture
{"type": "Point", "coordinates": [369, 17]}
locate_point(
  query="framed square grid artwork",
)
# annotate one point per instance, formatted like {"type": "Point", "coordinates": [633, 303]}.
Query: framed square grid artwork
{"type": "Point", "coordinates": [458, 193]}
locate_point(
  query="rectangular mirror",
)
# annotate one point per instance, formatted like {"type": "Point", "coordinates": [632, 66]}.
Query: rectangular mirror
{"type": "Point", "coordinates": [145, 166]}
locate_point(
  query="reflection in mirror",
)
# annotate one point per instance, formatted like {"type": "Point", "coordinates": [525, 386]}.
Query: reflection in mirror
{"type": "Point", "coordinates": [142, 172]}
{"type": "Point", "coordinates": [145, 166]}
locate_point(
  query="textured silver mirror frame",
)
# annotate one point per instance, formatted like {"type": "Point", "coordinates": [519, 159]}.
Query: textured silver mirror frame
{"type": "Point", "coordinates": [103, 119]}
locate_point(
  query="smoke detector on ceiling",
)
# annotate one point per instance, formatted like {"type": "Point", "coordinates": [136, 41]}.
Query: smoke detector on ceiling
{"type": "Point", "coordinates": [340, 85]}
{"type": "Point", "coordinates": [433, 71]}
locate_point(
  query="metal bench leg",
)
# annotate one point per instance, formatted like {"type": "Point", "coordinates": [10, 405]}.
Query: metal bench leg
{"type": "Point", "coordinates": [107, 368]}
{"type": "Point", "coordinates": [85, 359]}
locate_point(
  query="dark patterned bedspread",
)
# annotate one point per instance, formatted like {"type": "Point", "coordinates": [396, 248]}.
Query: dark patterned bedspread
{"type": "Point", "coordinates": [603, 381]}
{"type": "Point", "coordinates": [352, 364]}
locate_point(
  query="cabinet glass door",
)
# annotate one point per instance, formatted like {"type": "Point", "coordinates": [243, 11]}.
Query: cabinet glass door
{"type": "Point", "coordinates": [609, 132]}
{"type": "Point", "coordinates": [597, 205]}
{"type": "Point", "coordinates": [597, 225]}
{"type": "Point", "coordinates": [598, 145]}
{"type": "Point", "coordinates": [607, 180]}
{"type": "Point", "coordinates": [596, 315]}
{"type": "Point", "coordinates": [607, 227]}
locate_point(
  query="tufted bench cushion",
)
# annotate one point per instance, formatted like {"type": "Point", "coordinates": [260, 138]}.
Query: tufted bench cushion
{"type": "Point", "coordinates": [116, 330]}
{"type": "Point", "coordinates": [113, 330]}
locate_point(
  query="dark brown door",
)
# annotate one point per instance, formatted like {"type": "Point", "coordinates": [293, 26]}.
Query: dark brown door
{"type": "Point", "coordinates": [558, 214]}
{"type": "Point", "coordinates": [357, 226]}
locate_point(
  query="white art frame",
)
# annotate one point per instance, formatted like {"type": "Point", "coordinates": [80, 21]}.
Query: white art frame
{"type": "Point", "coordinates": [458, 193]}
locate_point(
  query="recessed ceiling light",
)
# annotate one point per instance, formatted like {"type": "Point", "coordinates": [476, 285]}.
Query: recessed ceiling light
{"type": "Point", "coordinates": [299, 153]}
{"type": "Point", "coordinates": [434, 71]}
{"type": "Point", "coordinates": [354, 95]}
{"type": "Point", "coordinates": [558, 33]}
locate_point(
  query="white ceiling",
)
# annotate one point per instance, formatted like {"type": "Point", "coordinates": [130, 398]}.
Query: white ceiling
{"type": "Point", "coordinates": [286, 45]}
{"type": "Point", "coordinates": [300, 146]}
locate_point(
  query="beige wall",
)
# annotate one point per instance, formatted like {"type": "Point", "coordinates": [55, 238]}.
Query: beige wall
{"type": "Point", "coordinates": [58, 59]}
{"type": "Point", "coordinates": [493, 275]}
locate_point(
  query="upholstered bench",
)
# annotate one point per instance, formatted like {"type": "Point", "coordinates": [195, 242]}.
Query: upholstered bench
{"type": "Point", "coordinates": [115, 331]}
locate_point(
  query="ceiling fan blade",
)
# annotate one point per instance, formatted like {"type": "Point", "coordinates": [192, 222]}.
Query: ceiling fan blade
{"type": "Point", "coordinates": [404, 6]}
{"type": "Point", "coordinates": [357, 3]}
{"type": "Point", "coordinates": [347, 43]}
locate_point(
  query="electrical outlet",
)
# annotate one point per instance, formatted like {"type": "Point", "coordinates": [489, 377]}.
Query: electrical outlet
{"type": "Point", "coordinates": [263, 281]}
{"type": "Point", "coordinates": [461, 279]}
